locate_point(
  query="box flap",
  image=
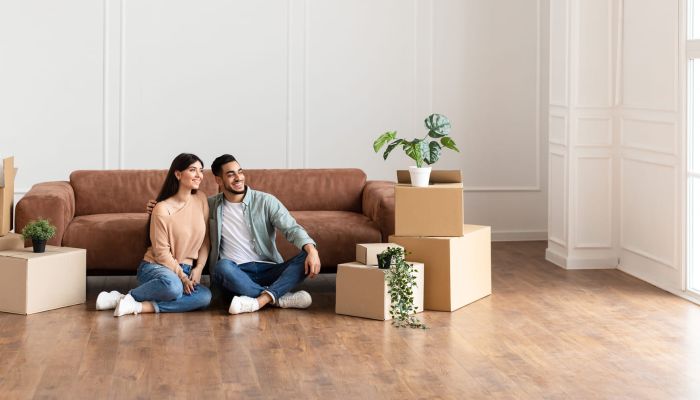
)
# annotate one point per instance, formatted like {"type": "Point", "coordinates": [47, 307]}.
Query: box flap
{"type": "Point", "coordinates": [436, 176]}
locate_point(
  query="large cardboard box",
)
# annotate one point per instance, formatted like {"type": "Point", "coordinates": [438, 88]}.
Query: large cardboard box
{"type": "Point", "coordinates": [435, 210]}
{"type": "Point", "coordinates": [362, 291]}
{"type": "Point", "coordinates": [457, 269]}
{"type": "Point", "coordinates": [366, 253]}
{"type": "Point", "coordinates": [7, 194]}
{"type": "Point", "coordinates": [11, 241]}
{"type": "Point", "coordinates": [34, 282]}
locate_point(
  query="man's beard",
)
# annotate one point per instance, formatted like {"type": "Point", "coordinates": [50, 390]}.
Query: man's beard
{"type": "Point", "coordinates": [230, 190]}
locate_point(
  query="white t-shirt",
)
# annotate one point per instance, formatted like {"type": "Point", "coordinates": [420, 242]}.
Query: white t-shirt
{"type": "Point", "coordinates": [236, 239]}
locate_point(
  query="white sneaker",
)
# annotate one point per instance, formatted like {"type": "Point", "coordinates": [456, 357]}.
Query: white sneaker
{"type": "Point", "coordinates": [300, 299]}
{"type": "Point", "coordinates": [108, 300]}
{"type": "Point", "coordinates": [127, 305]}
{"type": "Point", "coordinates": [243, 304]}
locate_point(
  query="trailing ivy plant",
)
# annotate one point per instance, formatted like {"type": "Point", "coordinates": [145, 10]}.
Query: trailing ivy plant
{"type": "Point", "coordinates": [40, 229]}
{"type": "Point", "coordinates": [422, 151]}
{"type": "Point", "coordinates": [401, 281]}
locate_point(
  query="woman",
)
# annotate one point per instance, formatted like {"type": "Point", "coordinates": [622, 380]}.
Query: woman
{"type": "Point", "coordinates": [177, 237]}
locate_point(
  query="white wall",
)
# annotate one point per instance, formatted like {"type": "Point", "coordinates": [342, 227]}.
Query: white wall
{"type": "Point", "coordinates": [282, 84]}
{"type": "Point", "coordinates": [651, 169]}
{"type": "Point", "coordinates": [616, 168]}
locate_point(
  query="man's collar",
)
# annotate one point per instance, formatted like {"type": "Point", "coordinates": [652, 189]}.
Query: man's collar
{"type": "Point", "coordinates": [247, 195]}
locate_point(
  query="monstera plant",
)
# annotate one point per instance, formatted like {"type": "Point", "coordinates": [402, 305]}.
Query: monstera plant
{"type": "Point", "coordinates": [424, 151]}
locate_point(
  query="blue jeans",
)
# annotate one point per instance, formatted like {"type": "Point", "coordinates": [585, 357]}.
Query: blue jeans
{"type": "Point", "coordinates": [161, 286]}
{"type": "Point", "coordinates": [253, 278]}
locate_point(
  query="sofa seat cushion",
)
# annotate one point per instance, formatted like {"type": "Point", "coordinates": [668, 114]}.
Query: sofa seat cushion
{"type": "Point", "coordinates": [114, 242]}
{"type": "Point", "coordinates": [335, 233]}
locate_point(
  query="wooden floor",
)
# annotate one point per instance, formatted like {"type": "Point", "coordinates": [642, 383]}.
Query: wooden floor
{"type": "Point", "coordinates": [544, 333]}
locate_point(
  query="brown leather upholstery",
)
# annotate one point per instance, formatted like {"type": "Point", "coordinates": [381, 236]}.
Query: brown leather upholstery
{"type": "Point", "coordinates": [114, 242]}
{"type": "Point", "coordinates": [332, 230]}
{"type": "Point", "coordinates": [103, 211]}
{"type": "Point", "coordinates": [117, 191]}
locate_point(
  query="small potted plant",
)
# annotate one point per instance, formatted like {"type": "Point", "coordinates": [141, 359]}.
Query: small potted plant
{"type": "Point", "coordinates": [401, 280]}
{"type": "Point", "coordinates": [424, 152]}
{"type": "Point", "coordinates": [39, 231]}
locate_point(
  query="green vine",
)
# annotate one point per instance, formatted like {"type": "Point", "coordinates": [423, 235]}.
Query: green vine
{"type": "Point", "coordinates": [401, 281]}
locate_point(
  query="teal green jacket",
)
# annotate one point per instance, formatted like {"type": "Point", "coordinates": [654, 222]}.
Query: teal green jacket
{"type": "Point", "coordinates": [264, 213]}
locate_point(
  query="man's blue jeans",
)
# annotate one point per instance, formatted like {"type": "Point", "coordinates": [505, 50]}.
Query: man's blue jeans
{"type": "Point", "coordinates": [253, 278]}
{"type": "Point", "coordinates": [161, 286]}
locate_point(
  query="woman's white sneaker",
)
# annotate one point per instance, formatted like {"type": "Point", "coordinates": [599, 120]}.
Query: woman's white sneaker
{"type": "Point", "coordinates": [127, 305]}
{"type": "Point", "coordinates": [108, 300]}
{"type": "Point", "coordinates": [300, 299]}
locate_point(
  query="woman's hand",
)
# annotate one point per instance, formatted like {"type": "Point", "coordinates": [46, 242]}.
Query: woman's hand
{"type": "Point", "coordinates": [196, 274]}
{"type": "Point", "coordinates": [187, 285]}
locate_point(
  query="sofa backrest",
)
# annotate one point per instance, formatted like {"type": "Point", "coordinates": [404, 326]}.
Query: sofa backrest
{"type": "Point", "coordinates": [118, 191]}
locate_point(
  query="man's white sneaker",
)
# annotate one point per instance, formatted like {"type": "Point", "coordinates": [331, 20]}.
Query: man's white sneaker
{"type": "Point", "coordinates": [108, 300]}
{"type": "Point", "coordinates": [300, 299]}
{"type": "Point", "coordinates": [127, 305]}
{"type": "Point", "coordinates": [243, 304]}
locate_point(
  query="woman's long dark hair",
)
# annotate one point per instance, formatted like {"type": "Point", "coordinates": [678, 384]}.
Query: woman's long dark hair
{"type": "Point", "coordinates": [171, 184]}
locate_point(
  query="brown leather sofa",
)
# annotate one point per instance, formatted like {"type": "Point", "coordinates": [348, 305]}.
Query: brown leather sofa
{"type": "Point", "coordinates": [103, 211]}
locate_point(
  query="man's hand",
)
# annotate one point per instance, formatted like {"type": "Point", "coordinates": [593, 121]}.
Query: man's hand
{"type": "Point", "coordinates": [150, 205]}
{"type": "Point", "coordinates": [196, 274]}
{"type": "Point", "coordinates": [312, 265]}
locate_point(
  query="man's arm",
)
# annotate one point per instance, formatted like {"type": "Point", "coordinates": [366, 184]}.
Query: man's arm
{"type": "Point", "coordinates": [295, 234]}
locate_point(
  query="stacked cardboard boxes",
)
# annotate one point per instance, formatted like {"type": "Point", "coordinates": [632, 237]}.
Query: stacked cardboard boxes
{"type": "Point", "coordinates": [361, 288]}
{"type": "Point", "coordinates": [430, 226]}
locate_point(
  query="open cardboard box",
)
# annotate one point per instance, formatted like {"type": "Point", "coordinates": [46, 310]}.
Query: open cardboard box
{"type": "Point", "coordinates": [7, 194]}
{"type": "Point", "coordinates": [435, 210]}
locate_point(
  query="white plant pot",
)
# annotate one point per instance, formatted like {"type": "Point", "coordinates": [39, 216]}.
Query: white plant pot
{"type": "Point", "coordinates": [420, 177]}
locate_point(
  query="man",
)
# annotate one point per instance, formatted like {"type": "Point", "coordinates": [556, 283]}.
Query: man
{"type": "Point", "coordinates": [243, 254]}
{"type": "Point", "coordinates": [243, 258]}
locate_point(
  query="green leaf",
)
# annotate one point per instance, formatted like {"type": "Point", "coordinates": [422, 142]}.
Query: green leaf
{"type": "Point", "coordinates": [449, 143]}
{"type": "Point", "coordinates": [391, 147]}
{"type": "Point", "coordinates": [415, 151]}
{"type": "Point", "coordinates": [438, 125]}
{"type": "Point", "coordinates": [383, 139]}
{"type": "Point", "coordinates": [433, 153]}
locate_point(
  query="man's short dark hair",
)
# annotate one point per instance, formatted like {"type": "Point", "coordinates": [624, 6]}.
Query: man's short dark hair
{"type": "Point", "coordinates": [219, 162]}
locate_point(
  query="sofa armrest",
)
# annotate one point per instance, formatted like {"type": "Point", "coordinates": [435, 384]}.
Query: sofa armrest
{"type": "Point", "coordinates": [54, 201]}
{"type": "Point", "coordinates": [378, 205]}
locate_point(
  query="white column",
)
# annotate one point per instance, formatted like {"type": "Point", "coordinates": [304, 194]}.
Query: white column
{"type": "Point", "coordinates": [582, 141]}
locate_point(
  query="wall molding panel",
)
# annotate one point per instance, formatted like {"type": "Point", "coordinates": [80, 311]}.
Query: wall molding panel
{"type": "Point", "coordinates": [291, 84]}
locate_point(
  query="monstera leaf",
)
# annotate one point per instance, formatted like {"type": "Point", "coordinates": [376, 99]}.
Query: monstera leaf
{"type": "Point", "coordinates": [438, 125]}
{"type": "Point", "coordinates": [383, 139]}
{"type": "Point", "coordinates": [449, 143]}
{"type": "Point", "coordinates": [433, 153]}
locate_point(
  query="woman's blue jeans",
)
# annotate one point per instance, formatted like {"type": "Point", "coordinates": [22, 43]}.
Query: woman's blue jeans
{"type": "Point", "coordinates": [161, 286]}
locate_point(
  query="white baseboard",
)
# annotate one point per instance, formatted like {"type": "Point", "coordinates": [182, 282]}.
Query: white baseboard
{"type": "Point", "coordinates": [517, 236]}
{"type": "Point", "coordinates": [692, 297]}
{"type": "Point", "coordinates": [580, 263]}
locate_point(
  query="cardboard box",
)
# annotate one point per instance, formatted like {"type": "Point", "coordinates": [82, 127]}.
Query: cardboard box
{"type": "Point", "coordinates": [366, 253]}
{"type": "Point", "coordinates": [435, 210]}
{"type": "Point", "coordinates": [457, 269]}
{"type": "Point", "coordinates": [362, 291]}
{"type": "Point", "coordinates": [11, 241]}
{"type": "Point", "coordinates": [7, 194]}
{"type": "Point", "coordinates": [35, 282]}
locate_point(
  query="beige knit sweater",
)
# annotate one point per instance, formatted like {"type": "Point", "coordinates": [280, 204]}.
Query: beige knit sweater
{"type": "Point", "coordinates": [179, 236]}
